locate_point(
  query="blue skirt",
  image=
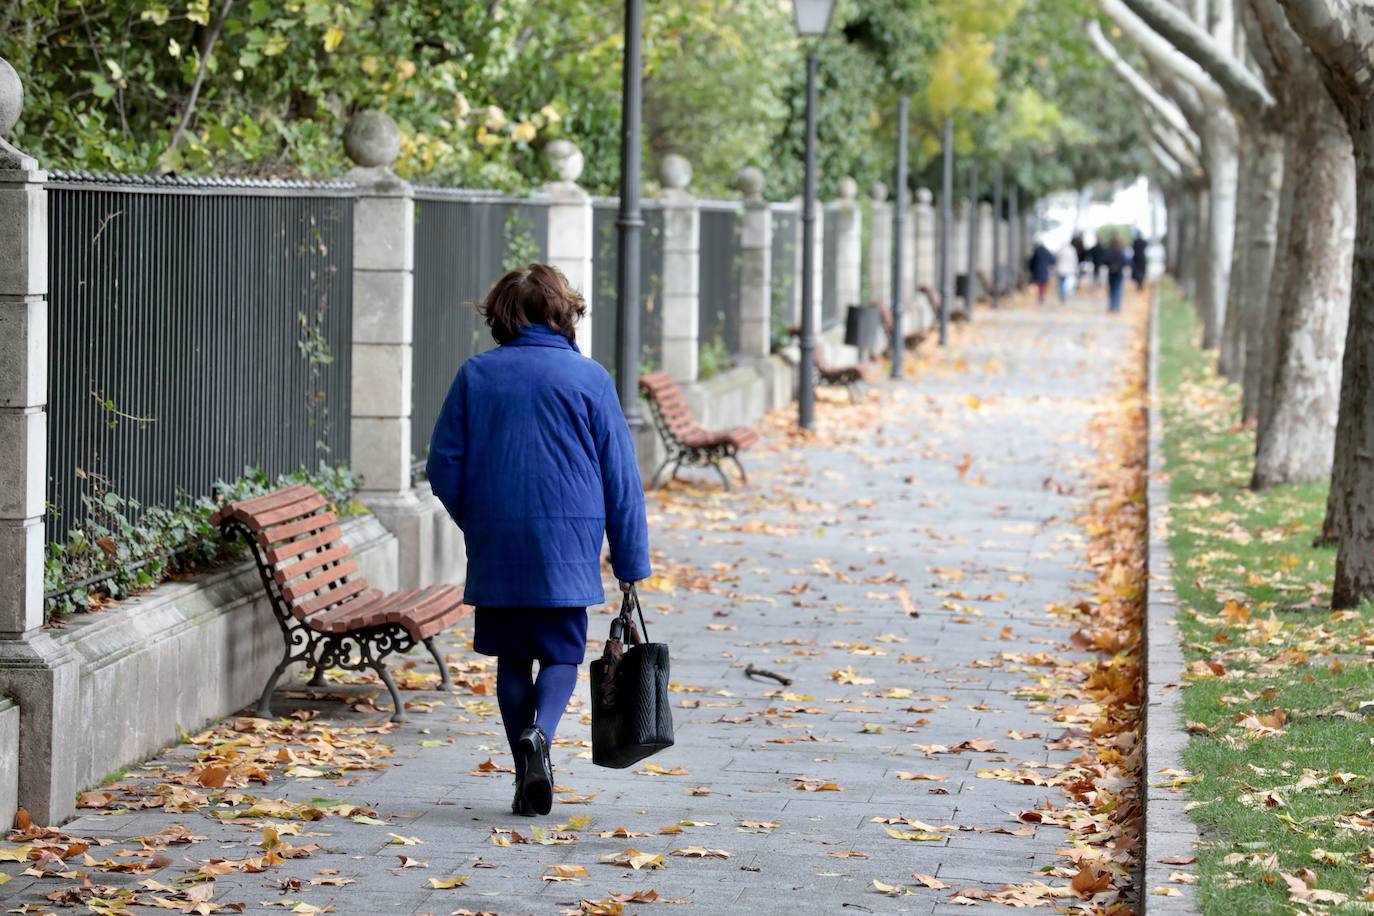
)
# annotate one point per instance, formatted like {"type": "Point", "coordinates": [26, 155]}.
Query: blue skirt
{"type": "Point", "coordinates": [550, 635]}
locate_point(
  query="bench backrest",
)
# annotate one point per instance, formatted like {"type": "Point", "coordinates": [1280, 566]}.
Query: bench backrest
{"type": "Point", "coordinates": [298, 542]}
{"type": "Point", "coordinates": [671, 413]}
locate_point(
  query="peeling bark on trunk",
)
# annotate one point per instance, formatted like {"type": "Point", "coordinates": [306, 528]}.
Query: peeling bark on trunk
{"type": "Point", "coordinates": [1263, 241]}
{"type": "Point", "coordinates": [1273, 307]}
{"type": "Point", "coordinates": [1222, 172]}
{"type": "Point", "coordinates": [1296, 443]}
{"type": "Point", "coordinates": [1350, 512]}
{"type": "Point", "coordinates": [1231, 359]}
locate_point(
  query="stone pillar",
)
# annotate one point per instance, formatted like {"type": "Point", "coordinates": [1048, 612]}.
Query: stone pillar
{"type": "Point", "coordinates": [927, 271]}
{"type": "Point", "coordinates": [429, 545]}
{"type": "Point", "coordinates": [909, 257]}
{"type": "Point", "coordinates": [959, 244]}
{"type": "Point", "coordinates": [879, 254]}
{"type": "Point", "coordinates": [756, 267]}
{"type": "Point", "coordinates": [681, 270]}
{"type": "Point", "coordinates": [570, 228]}
{"type": "Point", "coordinates": [986, 227]}
{"type": "Point", "coordinates": [848, 247]}
{"type": "Point", "coordinates": [37, 672]}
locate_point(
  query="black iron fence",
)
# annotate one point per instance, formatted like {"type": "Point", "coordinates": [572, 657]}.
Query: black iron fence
{"type": "Point", "coordinates": [464, 241]}
{"type": "Point", "coordinates": [784, 267]}
{"type": "Point", "coordinates": [830, 259]}
{"type": "Point", "coordinates": [195, 328]}
{"type": "Point", "coordinates": [718, 280]}
{"type": "Point", "coordinates": [605, 263]}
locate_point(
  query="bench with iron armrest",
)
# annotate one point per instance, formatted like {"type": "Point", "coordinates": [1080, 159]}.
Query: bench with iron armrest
{"type": "Point", "coordinates": [956, 311]}
{"type": "Point", "coordinates": [330, 616]}
{"type": "Point", "coordinates": [910, 339]}
{"type": "Point", "coordinates": [685, 440]}
{"type": "Point", "coordinates": [849, 377]}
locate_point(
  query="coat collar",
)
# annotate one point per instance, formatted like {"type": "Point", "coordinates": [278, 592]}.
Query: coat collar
{"type": "Point", "coordinates": [541, 335]}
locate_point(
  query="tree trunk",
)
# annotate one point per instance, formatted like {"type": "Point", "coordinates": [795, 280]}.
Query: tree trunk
{"type": "Point", "coordinates": [1187, 253]}
{"type": "Point", "coordinates": [1297, 438]}
{"type": "Point", "coordinates": [1267, 217]}
{"type": "Point", "coordinates": [1231, 359]}
{"type": "Point", "coordinates": [1220, 145]}
{"type": "Point", "coordinates": [1350, 509]}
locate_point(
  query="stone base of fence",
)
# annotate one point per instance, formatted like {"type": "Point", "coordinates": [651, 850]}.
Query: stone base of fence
{"type": "Point", "coordinates": [9, 760]}
{"type": "Point", "coordinates": [430, 545]}
{"type": "Point", "coordinates": [177, 657]}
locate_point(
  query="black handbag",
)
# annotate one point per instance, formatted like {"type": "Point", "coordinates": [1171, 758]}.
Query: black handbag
{"type": "Point", "coordinates": [631, 718]}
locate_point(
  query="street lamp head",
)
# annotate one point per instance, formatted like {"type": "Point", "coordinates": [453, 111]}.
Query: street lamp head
{"type": "Point", "coordinates": [812, 16]}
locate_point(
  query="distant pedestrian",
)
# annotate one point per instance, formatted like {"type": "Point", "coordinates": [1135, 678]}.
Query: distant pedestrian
{"type": "Point", "coordinates": [1114, 259]}
{"type": "Point", "coordinates": [1039, 264]}
{"type": "Point", "coordinates": [1138, 261]}
{"type": "Point", "coordinates": [1078, 247]}
{"type": "Point", "coordinates": [532, 458]}
{"type": "Point", "coordinates": [1066, 266]}
{"type": "Point", "coordinates": [1097, 254]}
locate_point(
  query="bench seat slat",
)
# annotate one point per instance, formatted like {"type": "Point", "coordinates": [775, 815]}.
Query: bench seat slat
{"type": "Point", "coordinates": [335, 553]}
{"type": "Point", "coordinates": [288, 549]}
{"type": "Point", "coordinates": [288, 512]}
{"type": "Point", "coordinates": [305, 610]}
{"type": "Point", "coordinates": [278, 535]}
{"type": "Point", "coordinates": [319, 581]}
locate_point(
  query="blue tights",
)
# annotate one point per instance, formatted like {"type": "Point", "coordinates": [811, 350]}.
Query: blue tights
{"type": "Point", "coordinates": [526, 700]}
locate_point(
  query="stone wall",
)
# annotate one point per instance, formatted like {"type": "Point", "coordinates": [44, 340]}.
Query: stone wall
{"type": "Point", "coordinates": [180, 656]}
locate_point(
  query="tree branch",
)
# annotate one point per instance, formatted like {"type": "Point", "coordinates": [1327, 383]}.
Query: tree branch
{"type": "Point", "coordinates": [1162, 53]}
{"type": "Point", "coordinates": [1151, 96]}
{"type": "Point", "coordinates": [206, 47]}
{"type": "Point", "coordinates": [1333, 29]}
{"type": "Point", "coordinates": [1245, 91]}
{"type": "Point", "coordinates": [1165, 160]}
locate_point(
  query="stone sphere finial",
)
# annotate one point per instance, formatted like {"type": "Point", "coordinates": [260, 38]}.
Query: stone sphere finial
{"type": "Point", "coordinates": [878, 191]}
{"type": "Point", "coordinates": [924, 196]}
{"type": "Point", "coordinates": [11, 98]}
{"type": "Point", "coordinates": [565, 159]}
{"type": "Point", "coordinates": [675, 172]}
{"type": "Point", "coordinates": [750, 180]}
{"type": "Point", "coordinates": [372, 139]}
{"type": "Point", "coordinates": [849, 188]}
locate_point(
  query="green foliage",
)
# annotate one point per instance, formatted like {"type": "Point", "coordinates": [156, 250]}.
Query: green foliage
{"type": "Point", "coordinates": [1109, 231]}
{"type": "Point", "coordinates": [713, 358]}
{"type": "Point", "coordinates": [521, 247]}
{"type": "Point", "coordinates": [124, 546]}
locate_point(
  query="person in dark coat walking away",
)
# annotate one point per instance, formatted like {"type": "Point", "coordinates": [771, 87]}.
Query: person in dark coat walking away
{"type": "Point", "coordinates": [1115, 261]}
{"type": "Point", "coordinates": [1138, 261]}
{"type": "Point", "coordinates": [1040, 264]}
{"type": "Point", "coordinates": [1097, 255]}
{"type": "Point", "coordinates": [532, 458]}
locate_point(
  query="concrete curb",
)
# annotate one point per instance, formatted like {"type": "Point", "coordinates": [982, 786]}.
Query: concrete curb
{"type": "Point", "coordinates": [1169, 832]}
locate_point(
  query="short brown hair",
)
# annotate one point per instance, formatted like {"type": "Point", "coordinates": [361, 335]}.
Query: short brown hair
{"type": "Point", "coordinates": [530, 295]}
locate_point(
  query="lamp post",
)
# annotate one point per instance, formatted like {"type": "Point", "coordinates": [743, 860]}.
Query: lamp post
{"type": "Point", "coordinates": [629, 222]}
{"type": "Point", "coordinates": [898, 230]}
{"type": "Point", "coordinates": [946, 224]}
{"type": "Point", "coordinates": [997, 236]}
{"type": "Point", "coordinates": [971, 277]}
{"type": "Point", "coordinates": [1016, 243]}
{"type": "Point", "coordinates": [813, 21]}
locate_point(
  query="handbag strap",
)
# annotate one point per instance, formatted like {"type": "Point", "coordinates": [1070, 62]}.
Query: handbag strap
{"type": "Point", "coordinates": [631, 600]}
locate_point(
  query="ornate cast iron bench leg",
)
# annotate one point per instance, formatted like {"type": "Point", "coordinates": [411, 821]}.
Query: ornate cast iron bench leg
{"type": "Point", "coordinates": [400, 709]}
{"type": "Point", "coordinates": [744, 478]}
{"type": "Point", "coordinates": [445, 682]}
{"type": "Point", "coordinates": [264, 707]}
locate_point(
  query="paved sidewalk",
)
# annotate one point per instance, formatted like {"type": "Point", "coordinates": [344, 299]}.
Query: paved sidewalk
{"type": "Point", "coordinates": [951, 497]}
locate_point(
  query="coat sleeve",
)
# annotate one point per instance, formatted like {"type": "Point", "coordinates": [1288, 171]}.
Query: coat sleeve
{"type": "Point", "coordinates": [627, 529]}
{"type": "Point", "coordinates": [447, 449]}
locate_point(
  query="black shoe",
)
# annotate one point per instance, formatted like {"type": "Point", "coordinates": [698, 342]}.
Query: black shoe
{"type": "Point", "coordinates": [537, 787]}
{"type": "Point", "coordinates": [519, 805]}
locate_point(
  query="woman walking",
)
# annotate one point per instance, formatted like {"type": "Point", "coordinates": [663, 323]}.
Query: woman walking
{"type": "Point", "coordinates": [1115, 261]}
{"type": "Point", "coordinates": [532, 458]}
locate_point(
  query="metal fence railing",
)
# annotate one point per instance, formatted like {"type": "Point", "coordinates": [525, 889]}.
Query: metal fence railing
{"type": "Point", "coordinates": [830, 259]}
{"type": "Point", "coordinates": [464, 241]}
{"type": "Point", "coordinates": [195, 328]}
{"type": "Point", "coordinates": [784, 267]}
{"type": "Point", "coordinates": [718, 277]}
{"type": "Point", "coordinates": [605, 264]}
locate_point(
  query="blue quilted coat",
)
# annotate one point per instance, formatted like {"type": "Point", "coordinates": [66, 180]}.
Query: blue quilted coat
{"type": "Point", "coordinates": [532, 458]}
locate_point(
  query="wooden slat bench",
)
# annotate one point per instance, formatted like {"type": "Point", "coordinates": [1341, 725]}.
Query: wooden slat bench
{"type": "Point", "coordinates": [684, 439]}
{"type": "Point", "coordinates": [848, 377]}
{"type": "Point", "coordinates": [910, 339]}
{"type": "Point", "coordinates": [330, 616]}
